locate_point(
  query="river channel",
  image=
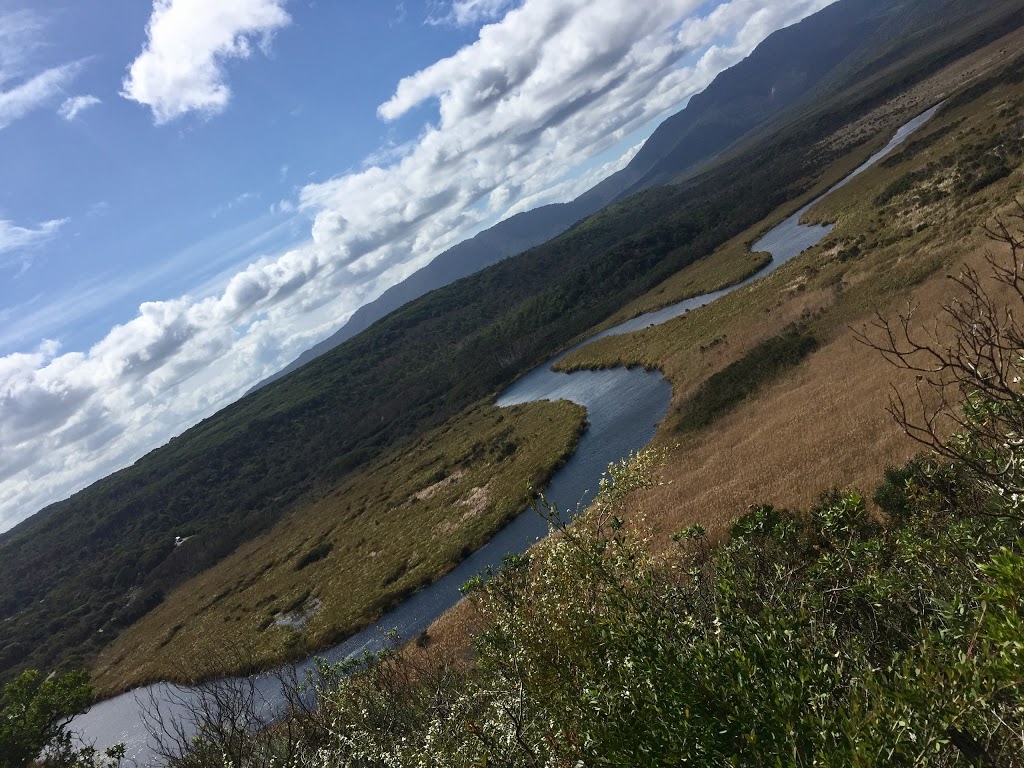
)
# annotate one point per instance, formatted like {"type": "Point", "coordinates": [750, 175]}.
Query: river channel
{"type": "Point", "coordinates": [623, 406]}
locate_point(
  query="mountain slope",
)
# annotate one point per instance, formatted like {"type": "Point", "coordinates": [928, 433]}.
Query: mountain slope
{"type": "Point", "coordinates": [507, 238]}
{"type": "Point", "coordinates": [780, 71]}
{"type": "Point", "coordinates": [776, 75]}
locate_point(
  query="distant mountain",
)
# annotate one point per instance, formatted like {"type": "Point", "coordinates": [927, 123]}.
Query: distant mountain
{"type": "Point", "coordinates": [507, 238]}
{"type": "Point", "coordinates": [775, 76]}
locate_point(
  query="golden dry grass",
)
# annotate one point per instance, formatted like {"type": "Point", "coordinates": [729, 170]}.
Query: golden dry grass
{"type": "Point", "coordinates": [824, 424]}
{"type": "Point", "coordinates": [333, 567]}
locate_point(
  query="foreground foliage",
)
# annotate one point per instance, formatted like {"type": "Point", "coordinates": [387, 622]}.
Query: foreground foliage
{"type": "Point", "coordinates": [821, 639]}
{"type": "Point", "coordinates": [826, 638]}
{"type": "Point", "coordinates": [34, 717]}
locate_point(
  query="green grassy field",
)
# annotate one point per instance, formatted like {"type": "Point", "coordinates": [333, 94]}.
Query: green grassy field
{"type": "Point", "coordinates": [333, 567]}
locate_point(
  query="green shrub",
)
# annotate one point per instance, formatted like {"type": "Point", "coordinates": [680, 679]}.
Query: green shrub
{"type": "Point", "coordinates": [759, 367]}
{"type": "Point", "coordinates": [35, 712]}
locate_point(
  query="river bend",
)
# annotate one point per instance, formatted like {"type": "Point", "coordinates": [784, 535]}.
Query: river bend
{"type": "Point", "coordinates": [623, 406]}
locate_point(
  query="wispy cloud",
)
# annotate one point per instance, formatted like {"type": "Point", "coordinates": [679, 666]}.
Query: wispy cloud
{"type": "Point", "coordinates": [234, 203]}
{"type": "Point", "coordinates": [35, 92]}
{"type": "Point", "coordinates": [399, 16]}
{"type": "Point", "coordinates": [24, 88]}
{"type": "Point", "coordinates": [466, 13]}
{"type": "Point", "coordinates": [523, 111]}
{"type": "Point", "coordinates": [74, 106]}
{"type": "Point", "coordinates": [20, 37]}
{"type": "Point", "coordinates": [181, 68]}
{"type": "Point", "coordinates": [16, 242]}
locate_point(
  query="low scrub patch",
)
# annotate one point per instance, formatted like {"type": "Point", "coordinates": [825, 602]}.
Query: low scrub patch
{"type": "Point", "coordinates": [760, 366]}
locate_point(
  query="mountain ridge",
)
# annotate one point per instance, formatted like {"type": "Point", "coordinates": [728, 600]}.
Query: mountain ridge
{"type": "Point", "coordinates": [700, 131]}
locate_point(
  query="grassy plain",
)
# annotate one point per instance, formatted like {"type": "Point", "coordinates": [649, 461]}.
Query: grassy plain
{"type": "Point", "coordinates": [899, 228]}
{"type": "Point", "coordinates": [333, 567]}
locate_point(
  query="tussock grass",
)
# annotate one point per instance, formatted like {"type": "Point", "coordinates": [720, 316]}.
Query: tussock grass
{"type": "Point", "coordinates": [336, 565]}
{"type": "Point", "coordinates": [823, 423]}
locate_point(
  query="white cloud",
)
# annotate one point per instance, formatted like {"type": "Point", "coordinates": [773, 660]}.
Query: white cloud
{"type": "Point", "coordinates": [19, 241]}
{"type": "Point", "coordinates": [12, 236]}
{"type": "Point", "coordinates": [467, 13]}
{"type": "Point", "coordinates": [24, 88]}
{"type": "Point", "coordinates": [35, 92]}
{"type": "Point", "coordinates": [575, 186]}
{"type": "Point", "coordinates": [522, 111]}
{"type": "Point", "coordinates": [75, 105]}
{"type": "Point", "coordinates": [182, 68]}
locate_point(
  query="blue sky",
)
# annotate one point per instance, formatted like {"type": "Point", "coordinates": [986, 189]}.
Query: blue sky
{"type": "Point", "coordinates": [193, 192]}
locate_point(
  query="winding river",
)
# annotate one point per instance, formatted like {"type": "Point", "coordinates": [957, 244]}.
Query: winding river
{"type": "Point", "coordinates": [623, 409]}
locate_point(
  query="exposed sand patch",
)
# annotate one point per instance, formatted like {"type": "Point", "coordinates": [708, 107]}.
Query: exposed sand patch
{"type": "Point", "coordinates": [432, 490]}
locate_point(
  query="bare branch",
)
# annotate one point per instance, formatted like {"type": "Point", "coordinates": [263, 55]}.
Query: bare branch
{"type": "Point", "coordinates": [967, 405]}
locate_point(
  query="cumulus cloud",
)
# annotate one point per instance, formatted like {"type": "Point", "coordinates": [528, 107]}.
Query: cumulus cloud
{"type": "Point", "coordinates": [522, 113]}
{"type": "Point", "coordinates": [537, 94]}
{"type": "Point", "coordinates": [182, 67]}
{"type": "Point", "coordinates": [75, 105]}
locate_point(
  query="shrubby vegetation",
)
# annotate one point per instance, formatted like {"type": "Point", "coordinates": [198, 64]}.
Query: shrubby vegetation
{"type": "Point", "coordinates": [835, 637]}
{"type": "Point", "coordinates": [726, 389]}
{"type": "Point", "coordinates": [34, 717]}
{"type": "Point", "coordinates": [973, 165]}
{"type": "Point", "coordinates": [820, 639]}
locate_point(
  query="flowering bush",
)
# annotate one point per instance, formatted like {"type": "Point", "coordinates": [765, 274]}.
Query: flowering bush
{"type": "Point", "coordinates": [819, 639]}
